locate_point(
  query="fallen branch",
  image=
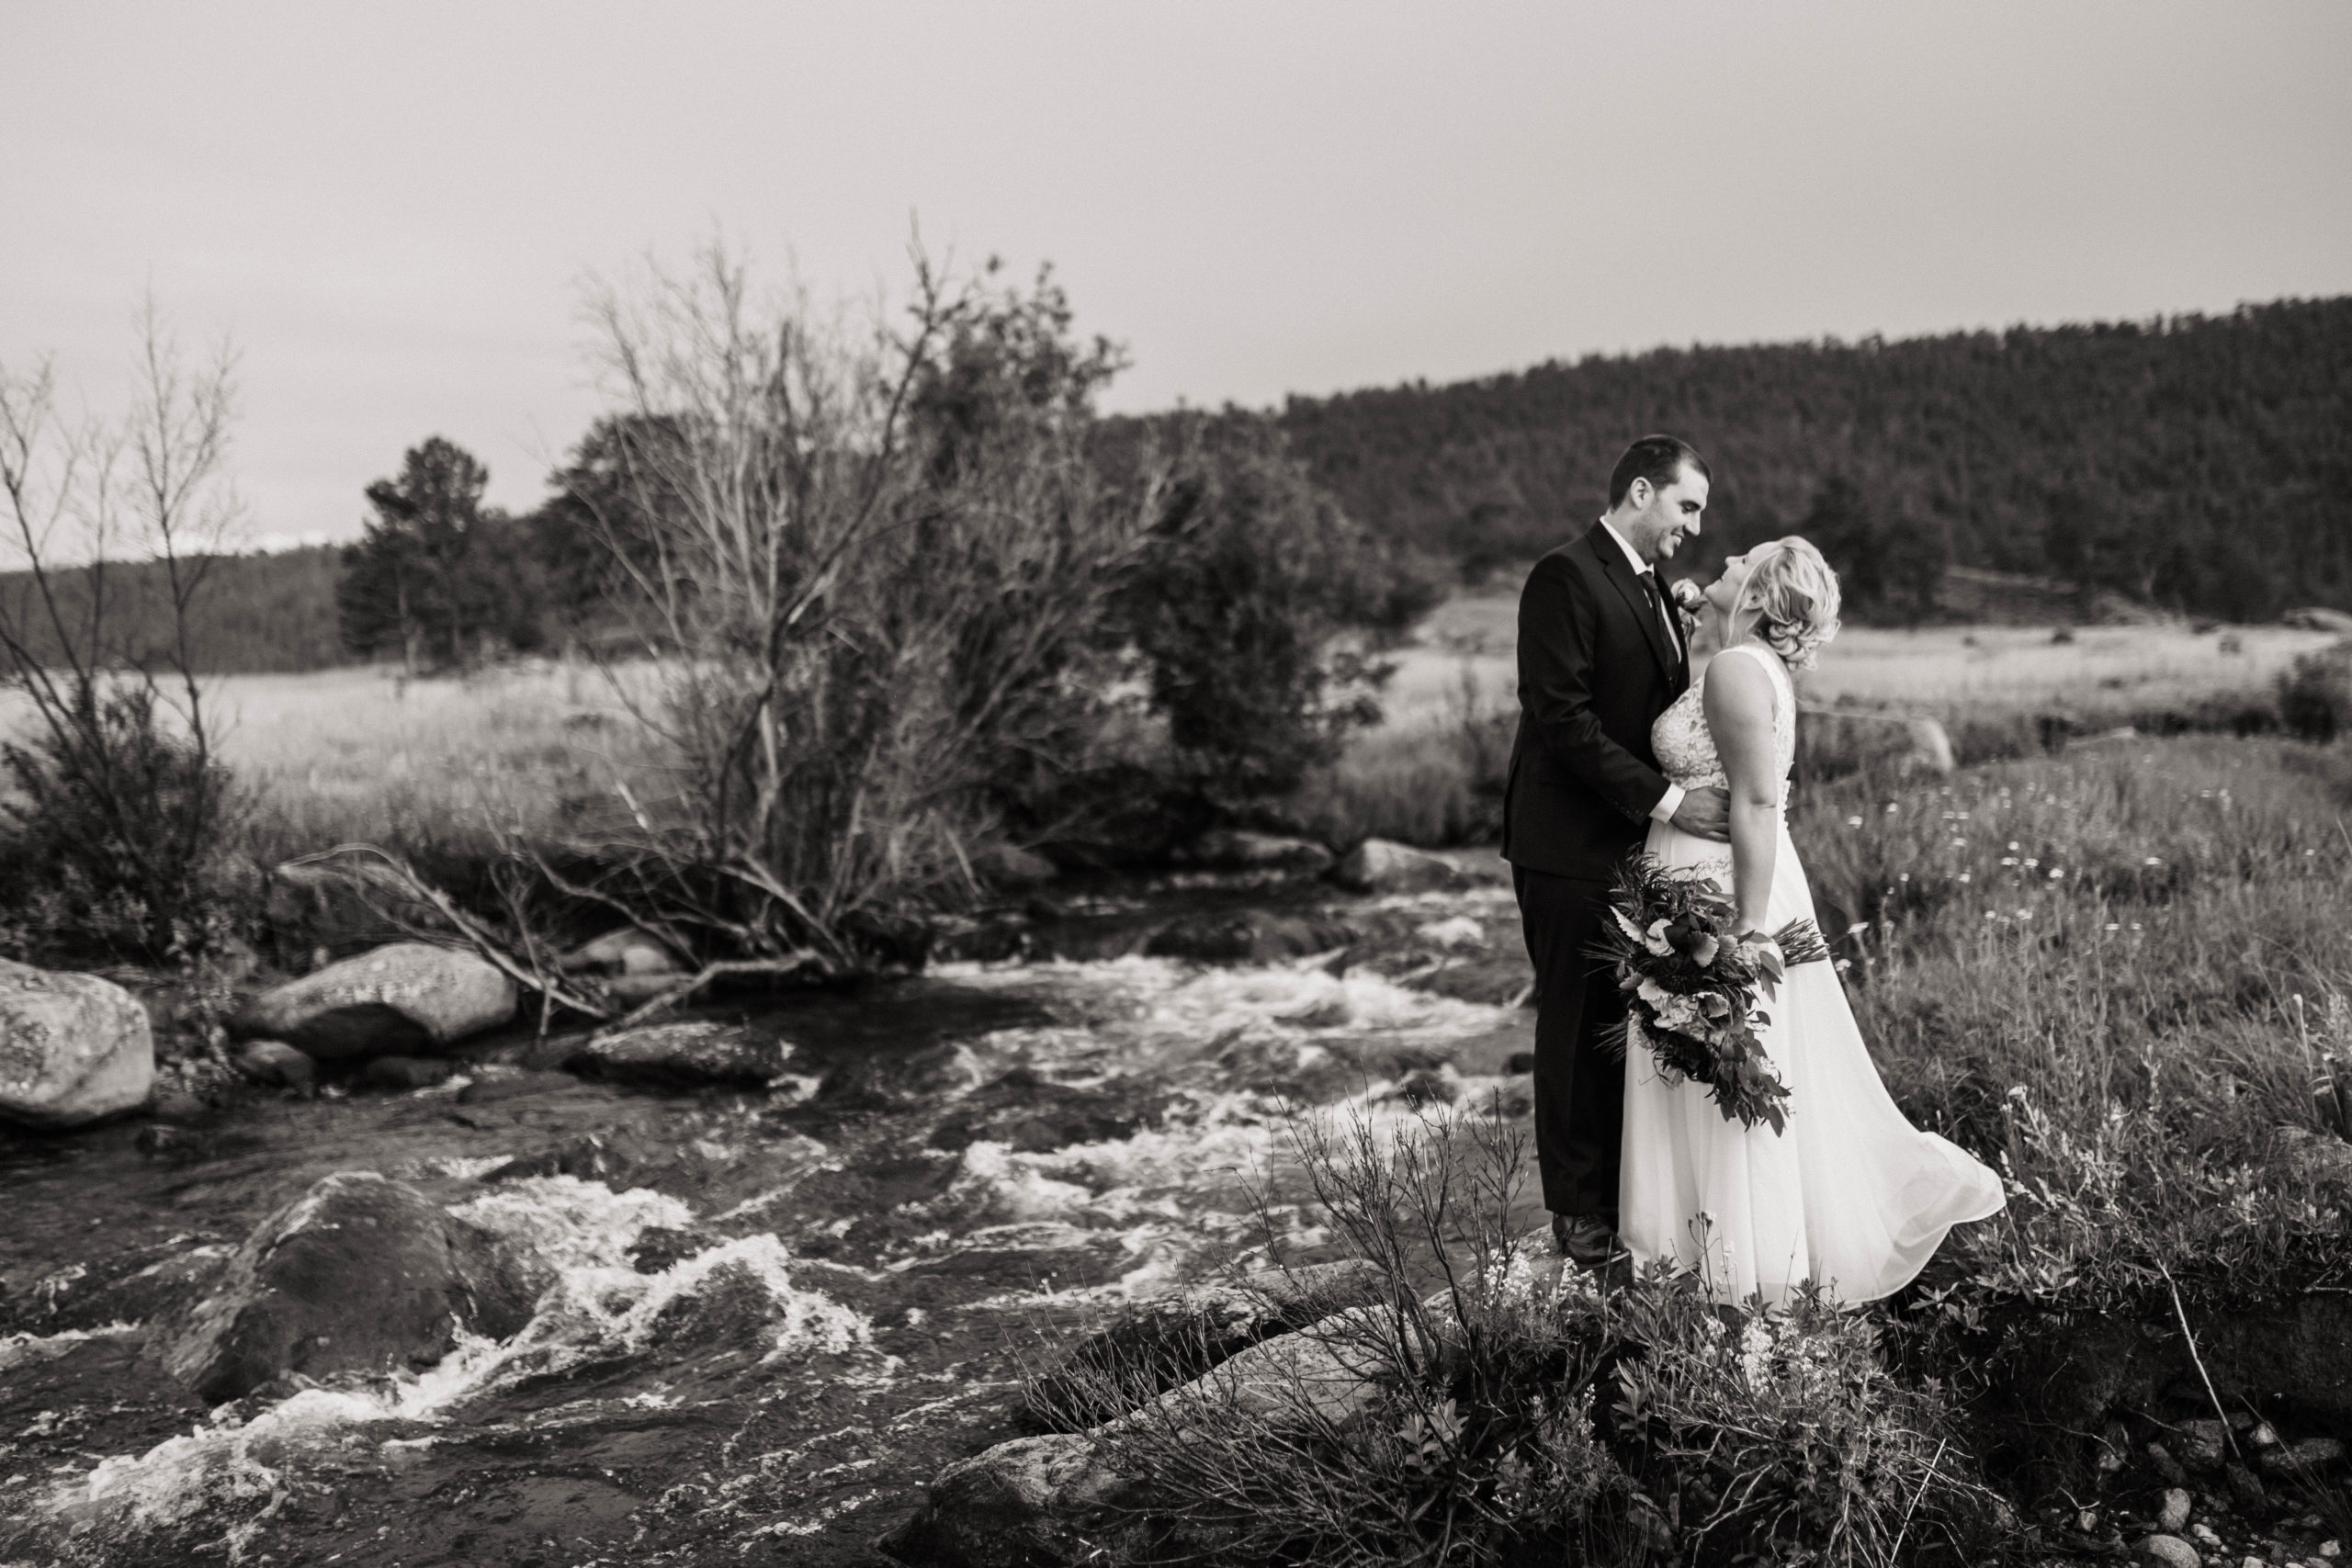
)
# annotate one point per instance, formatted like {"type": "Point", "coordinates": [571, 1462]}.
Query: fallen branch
{"type": "Point", "coordinates": [2182, 1312]}
{"type": "Point", "coordinates": [791, 964]}
{"type": "Point", "coordinates": [371, 874]}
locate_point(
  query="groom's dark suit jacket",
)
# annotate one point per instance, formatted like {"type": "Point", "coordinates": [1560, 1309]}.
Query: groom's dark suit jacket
{"type": "Point", "coordinates": [1595, 669]}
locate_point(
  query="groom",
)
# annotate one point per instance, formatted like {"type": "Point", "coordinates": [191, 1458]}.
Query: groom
{"type": "Point", "coordinates": [1600, 656]}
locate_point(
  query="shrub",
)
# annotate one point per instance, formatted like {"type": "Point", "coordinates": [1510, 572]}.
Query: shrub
{"type": "Point", "coordinates": [2315, 696]}
{"type": "Point", "coordinates": [1499, 1410]}
{"type": "Point", "coordinates": [117, 843]}
{"type": "Point", "coordinates": [1240, 611]}
{"type": "Point", "coordinates": [116, 838]}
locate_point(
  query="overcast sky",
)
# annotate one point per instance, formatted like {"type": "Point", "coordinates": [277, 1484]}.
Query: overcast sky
{"type": "Point", "coordinates": [391, 206]}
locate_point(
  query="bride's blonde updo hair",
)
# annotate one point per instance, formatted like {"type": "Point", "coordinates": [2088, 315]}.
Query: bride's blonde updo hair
{"type": "Point", "coordinates": [1792, 598]}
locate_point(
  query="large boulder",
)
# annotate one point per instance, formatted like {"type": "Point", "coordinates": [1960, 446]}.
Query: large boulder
{"type": "Point", "coordinates": [1168, 1341]}
{"type": "Point", "coordinates": [684, 1055]}
{"type": "Point", "coordinates": [1377, 865]}
{"type": "Point", "coordinates": [1072, 1496]}
{"type": "Point", "coordinates": [407, 998]}
{"type": "Point", "coordinates": [72, 1048]}
{"type": "Point", "coordinates": [360, 1274]}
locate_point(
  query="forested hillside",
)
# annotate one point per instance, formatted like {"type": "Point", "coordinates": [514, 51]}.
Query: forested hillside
{"type": "Point", "coordinates": [2203, 463]}
{"type": "Point", "coordinates": [256, 612]}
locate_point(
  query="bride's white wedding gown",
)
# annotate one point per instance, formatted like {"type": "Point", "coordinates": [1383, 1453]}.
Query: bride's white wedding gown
{"type": "Point", "coordinates": [1852, 1196]}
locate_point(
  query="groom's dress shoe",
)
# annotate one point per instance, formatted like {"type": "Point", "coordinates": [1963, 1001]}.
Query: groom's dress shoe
{"type": "Point", "coordinates": [1586, 1240]}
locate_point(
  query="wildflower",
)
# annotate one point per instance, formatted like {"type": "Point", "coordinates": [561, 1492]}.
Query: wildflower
{"type": "Point", "coordinates": [2113, 926]}
{"type": "Point", "coordinates": [1853, 821]}
{"type": "Point", "coordinates": [2031, 861]}
{"type": "Point", "coordinates": [2153, 860]}
{"type": "Point", "coordinates": [2056, 873]}
{"type": "Point", "coordinates": [1964, 876]}
{"type": "Point", "coordinates": [2013, 844]}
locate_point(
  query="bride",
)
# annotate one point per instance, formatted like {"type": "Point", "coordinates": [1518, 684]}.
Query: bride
{"type": "Point", "coordinates": [1851, 1197]}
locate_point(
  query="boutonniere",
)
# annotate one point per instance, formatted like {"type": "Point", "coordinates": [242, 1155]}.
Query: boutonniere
{"type": "Point", "coordinates": [1689, 600]}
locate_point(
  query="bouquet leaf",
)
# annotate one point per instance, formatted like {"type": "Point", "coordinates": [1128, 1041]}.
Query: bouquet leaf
{"type": "Point", "coordinates": [1693, 985]}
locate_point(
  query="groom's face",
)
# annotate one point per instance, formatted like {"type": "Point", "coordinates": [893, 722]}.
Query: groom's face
{"type": "Point", "coordinates": [1660, 523]}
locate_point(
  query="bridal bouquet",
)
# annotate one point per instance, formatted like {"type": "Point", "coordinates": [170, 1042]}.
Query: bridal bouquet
{"type": "Point", "coordinates": [1693, 985]}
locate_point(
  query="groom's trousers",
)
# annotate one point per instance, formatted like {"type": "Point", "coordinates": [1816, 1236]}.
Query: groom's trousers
{"type": "Point", "coordinates": [1580, 1083]}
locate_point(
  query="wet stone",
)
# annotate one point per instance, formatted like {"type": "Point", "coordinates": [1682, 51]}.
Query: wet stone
{"type": "Point", "coordinates": [2172, 1515]}
{"type": "Point", "coordinates": [1031, 1115]}
{"type": "Point", "coordinates": [2169, 1552]}
{"type": "Point", "coordinates": [400, 999]}
{"type": "Point", "coordinates": [274, 1063]}
{"type": "Point", "coordinates": [1247, 936]}
{"type": "Point", "coordinates": [359, 1274]}
{"type": "Point", "coordinates": [2310, 1456]}
{"type": "Point", "coordinates": [685, 1055]}
{"type": "Point", "coordinates": [73, 1048]}
{"type": "Point", "coordinates": [2246, 1487]}
{"type": "Point", "coordinates": [1377, 865]}
{"type": "Point", "coordinates": [399, 1073]}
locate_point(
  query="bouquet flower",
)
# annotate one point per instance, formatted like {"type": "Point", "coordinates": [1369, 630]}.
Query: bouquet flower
{"type": "Point", "coordinates": [1691, 985]}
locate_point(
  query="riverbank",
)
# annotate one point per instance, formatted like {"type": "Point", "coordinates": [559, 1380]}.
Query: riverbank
{"type": "Point", "coordinates": [774, 1316]}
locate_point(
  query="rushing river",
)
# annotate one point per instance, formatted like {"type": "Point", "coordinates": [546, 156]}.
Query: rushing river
{"type": "Point", "coordinates": [774, 1316]}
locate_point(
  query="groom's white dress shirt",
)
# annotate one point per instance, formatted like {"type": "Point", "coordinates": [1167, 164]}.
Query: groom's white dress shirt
{"type": "Point", "coordinates": [1671, 801]}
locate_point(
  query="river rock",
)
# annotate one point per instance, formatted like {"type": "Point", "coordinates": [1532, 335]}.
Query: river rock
{"type": "Point", "coordinates": [1163, 1343]}
{"type": "Point", "coordinates": [1033, 1115]}
{"type": "Point", "coordinates": [2172, 1513]}
{"type": "Point", "coordinates": [73, 1048]}
{"type": "Point", "coordinates": [2311, 1456]}
{"type": "Point", "coordinates": [358, 1274]}
{"type": "Point", "coordinates": [1011, 866]}
{"type": "Point", "coordinates": [405, 1072]}
{"type": "Point", "coordinates": [1228, 848]}
{"type": "Point", "coordinates": [1246, 936]}
{"type": "Point", "coordinates": [2204, 1444]}
{"type": "Point", "coordinates": [2169, 1552]}
{"type": "Point", "coordinates": [1377, 865]}
{"type": "Point", "coordinates": [627, 951]}
{"type": "Point", "coordinates": [404, 999]}
{"type": "Point", "coordinates": [684, 1055]}
{"type": "Point", "coordinates": [275, 1061]}
{"type": "Point", "coordinates": [1048, 1499]}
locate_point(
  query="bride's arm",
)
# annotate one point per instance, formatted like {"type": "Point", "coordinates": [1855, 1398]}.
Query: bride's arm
{"type": "Point", "coordinates": [1739, 718]}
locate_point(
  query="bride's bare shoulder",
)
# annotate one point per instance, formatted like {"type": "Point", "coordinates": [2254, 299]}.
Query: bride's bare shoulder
{"type": "Point", "coordinates": [1741, 689]}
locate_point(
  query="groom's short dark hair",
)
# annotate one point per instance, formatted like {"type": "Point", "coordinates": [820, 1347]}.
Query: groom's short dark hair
{"type": "Point", "coordinates": [1657, 458]}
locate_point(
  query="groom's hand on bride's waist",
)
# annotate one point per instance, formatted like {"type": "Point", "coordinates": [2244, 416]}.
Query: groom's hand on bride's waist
{"type": "Point", "coordinates": [1705, 812]}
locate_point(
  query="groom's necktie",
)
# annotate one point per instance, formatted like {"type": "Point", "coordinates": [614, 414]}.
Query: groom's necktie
{"type": "Point", "coordinates": [1665, 616]}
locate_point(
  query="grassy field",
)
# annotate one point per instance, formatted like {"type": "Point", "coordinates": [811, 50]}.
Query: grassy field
{"type": "Point", "coordinates": [363, 754]}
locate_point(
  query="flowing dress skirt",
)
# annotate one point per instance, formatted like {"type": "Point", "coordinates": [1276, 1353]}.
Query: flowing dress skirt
{"type": "Point", "coordinates": [1852, 1196]}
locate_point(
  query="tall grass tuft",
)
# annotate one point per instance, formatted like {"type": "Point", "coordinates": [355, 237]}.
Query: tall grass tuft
{"type": "Point", "coordinates": [1495, 1410]}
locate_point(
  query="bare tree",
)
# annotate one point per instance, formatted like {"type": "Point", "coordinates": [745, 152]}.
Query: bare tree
{"type": "Point", "coordinates": [122, 797]}
{"type": "Point", "coordinates": [865, 573]}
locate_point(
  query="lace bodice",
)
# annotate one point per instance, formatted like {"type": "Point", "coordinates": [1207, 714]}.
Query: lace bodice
{"type": "Point", "coordinates": [1686, 753]}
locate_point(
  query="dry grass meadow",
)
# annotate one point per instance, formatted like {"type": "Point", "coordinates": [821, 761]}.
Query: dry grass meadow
{"type": "Point", "coordinates": [361, 753]}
